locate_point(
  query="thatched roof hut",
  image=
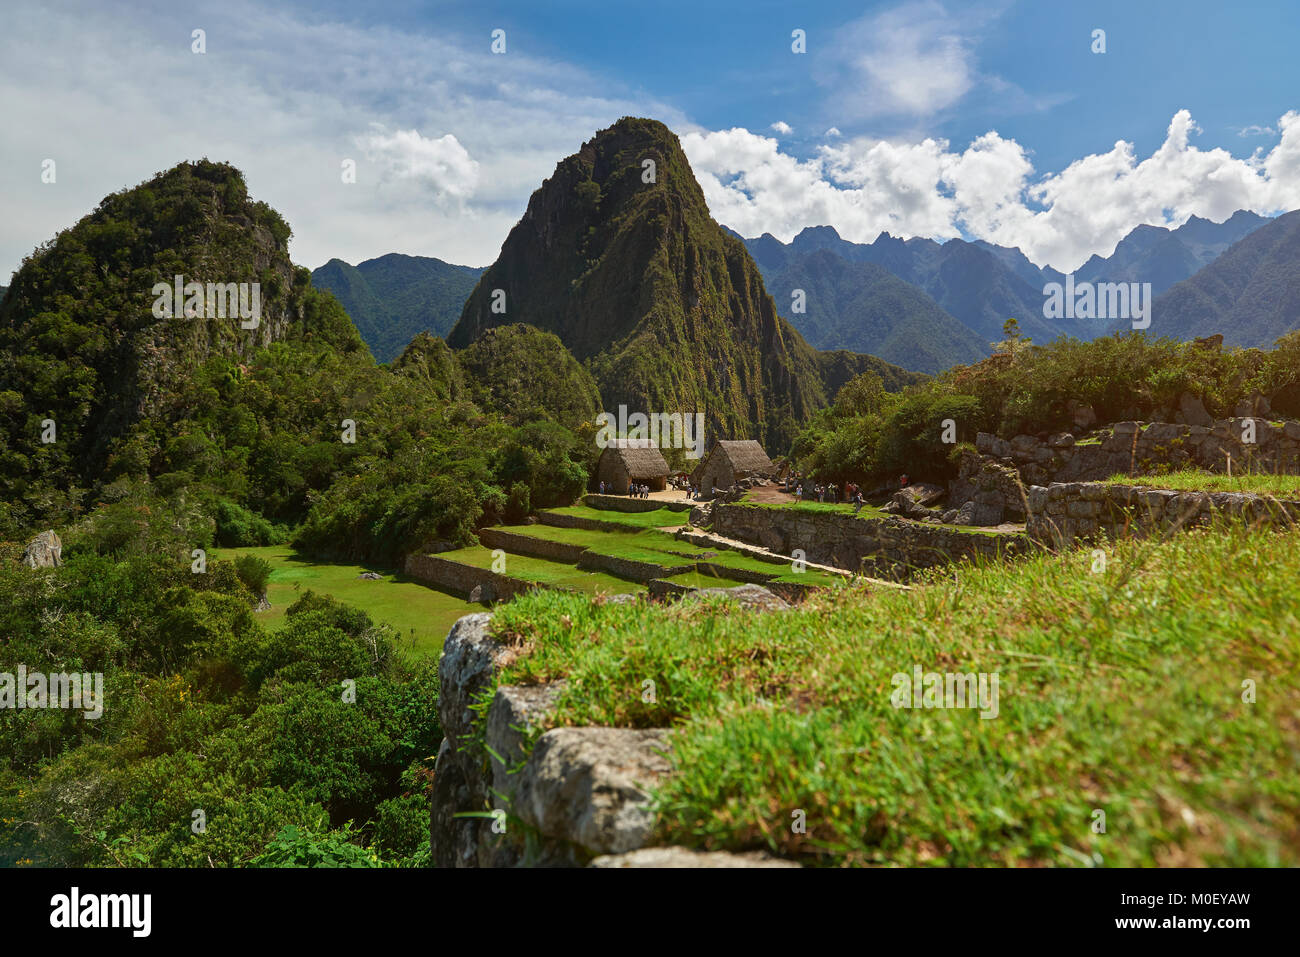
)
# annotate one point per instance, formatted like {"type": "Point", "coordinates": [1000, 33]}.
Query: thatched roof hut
{"type": "Point", "coordinates": [625, 461]}
{"type": "Point", "coordinates": [729, 461]}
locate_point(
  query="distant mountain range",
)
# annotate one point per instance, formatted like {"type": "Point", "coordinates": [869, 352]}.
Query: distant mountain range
{"type": "Point", "coordinates": [394, 298]}
{"type": "Point", "coordinates": [927, 305]}
{"type": "Point", "coordinates": [916, 303]}
{"type": "Point", "coordinates": [1250, 293]}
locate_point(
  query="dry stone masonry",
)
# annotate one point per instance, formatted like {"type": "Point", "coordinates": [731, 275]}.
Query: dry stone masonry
{"type": "Point", "coordinates": [1070, 511]}
{"type": "Point", "coordinates": [577, 796]}
{"type": "Point", "coordinates": [887, 547]}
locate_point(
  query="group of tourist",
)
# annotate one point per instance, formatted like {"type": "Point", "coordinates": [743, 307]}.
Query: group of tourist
{"type": "Point", "coordinates": [633, 489]}
{"type": "Point", "coordinates": [828, 492]}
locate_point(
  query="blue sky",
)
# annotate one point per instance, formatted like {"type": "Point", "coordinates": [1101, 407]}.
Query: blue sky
{"type": "Point", "coordinates": [992, 120]}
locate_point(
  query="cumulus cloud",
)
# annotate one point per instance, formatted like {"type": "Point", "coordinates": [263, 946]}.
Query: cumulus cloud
{"type": "Point", "coordinates": [442, 165]}
{"type": "Point", "coordinates": [989, 190]}
{"type": "Point", "coordinates": [782, 127]}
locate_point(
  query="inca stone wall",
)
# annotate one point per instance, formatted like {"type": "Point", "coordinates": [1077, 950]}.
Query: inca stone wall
{"type": "Point", "coordinates": [621, 503]}
{"type": "Point", "coordinates": [531, 545]}
{"type": "Point", "coordinates": [1069, 511]}
{"type": "Point", "coordinates": [1138, 448]}
{"type": "Point", "coordinates": [463, 579]}
{"type": "Point", "coordinates": [882, 547]}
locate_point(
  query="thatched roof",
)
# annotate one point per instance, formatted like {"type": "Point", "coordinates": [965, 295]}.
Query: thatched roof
{"type": "Point", "coordinates": [640, 457]}
{"type": "Point", "coordinates": [745, 455]}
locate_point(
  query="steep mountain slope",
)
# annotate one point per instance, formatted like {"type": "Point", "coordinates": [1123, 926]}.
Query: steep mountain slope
{"type": "Point", "coordinates": [1251, 293]}
{"type": "Point", "coordinates": [630, 271]}
{"type": "Point", "coordinates": [394, 297]}
{"type": "Point", "coordinates": [864, 307]}
{"type": "Point", "coordinates": [85, 348]}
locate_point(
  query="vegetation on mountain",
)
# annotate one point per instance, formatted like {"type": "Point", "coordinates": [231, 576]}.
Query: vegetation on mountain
{"type": "Point", "coordinates": [863, 307]}
{"type": "Point", "coordinates": [394, 298]}
{"type": "Point", "coordinates": [1250, 294]}
{"type": "Point", "coordinates": [174, 436]}
{"type": "Point", "coordinates": [623, 263]}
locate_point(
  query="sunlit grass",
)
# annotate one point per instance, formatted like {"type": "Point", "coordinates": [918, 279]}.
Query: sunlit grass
{"type": "Point", "coordinates": [1120, 691]}
{"type": "Point", "coordinates": [421, 615]}
{"type": "Point", "coordinates": [1190, 480]}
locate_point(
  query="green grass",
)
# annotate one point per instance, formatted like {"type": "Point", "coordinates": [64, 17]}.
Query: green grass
{"type": "Point", "coordinates": [703, 579]}
{"type": "Point", "coordinates": [545, 571]}
{"type": "Point", "coordinates": [1190, 480]}
{"type": "Point", "coordinates": [867, 511]}
{"type": "Point", "coordinates": [1120, 691]}
{"type": "Point", "coordinates": [659, 518]}
{"type": "Point", "coordinates": [660, 548]}
{"type": "Point", "coordinates": [421, 615]}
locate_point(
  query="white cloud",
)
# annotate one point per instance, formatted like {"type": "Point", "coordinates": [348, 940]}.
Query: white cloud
{"type": "Point", "coordinates": [989, 190]}
{"type": "Point", "coordinates": [1254, 130]}
{"type": "Point", "coordinates": [449, 140]}
{"type": "Point", "coordinates": [833, 131]}
{"type": "Point", "coordinates": [442, 164]}
{"type": "Point", "coordinates": [782, 127]}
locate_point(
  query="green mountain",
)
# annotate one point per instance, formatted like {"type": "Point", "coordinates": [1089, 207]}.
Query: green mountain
{"type": "Point", "coordinates": [618, 256]}
{"type": "Point", "coordinates": [90, 357]}
{"type": "Point", "coordinates": [862, 306]}
{"type": "Point", "coordinates": [1250, 294]}
{"type": "Point", "coordinates": [394, 297]}
{"type": "Point", "coordinates": [127, 427]}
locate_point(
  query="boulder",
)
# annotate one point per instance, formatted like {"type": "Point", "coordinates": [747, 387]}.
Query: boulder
{"type": "Point", "coordinates": [516, 711]}
{"type": "Point", "coordinates": [1081, 414]}
{"type": "Point", "coordinates": [44, 551]}
{"type": "Point", "coordinates": [701, 515]}
{"type": "Point", "coordinates": [588, 786]}
{"type": "Point", "coordinates": [752, 597]}
{"type": "Point", "coordinates": [470, 658]}
{"type": "Point", "coordinates": [1193, 411]}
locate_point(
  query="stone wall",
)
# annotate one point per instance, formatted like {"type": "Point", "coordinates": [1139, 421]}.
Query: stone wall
{"type": "Point", "coordinates": [531, 545]}
{"type": "Point", "coordinates": [628, 568]}
{"type": "Point", "coordinates": [1146, 448]}
{"type": "Point", "coordinates": [882, 547]}
{"type": "Point", "coordinates": [462, 579]}
{"type": "Point", "coordinates": [1069, 511]}
{"type": "Point", "coordinates": [621, 503]}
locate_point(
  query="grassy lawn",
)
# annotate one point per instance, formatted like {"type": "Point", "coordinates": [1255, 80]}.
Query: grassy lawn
{"type": "Point", "coordinates": [867, 511]}
{"type": "Point", "coordinates": [421, 615]}
{"type": "Point", "coordinates": [545, 571]}
{"type": "Point", "coordinates": [659, 518]}
{"type": "Point", "coordinates": [1119, 692]}
{"type": "Point", "coordinates": [1280, 486]}
{"type": "Point", "coordinates": [660, 548]}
